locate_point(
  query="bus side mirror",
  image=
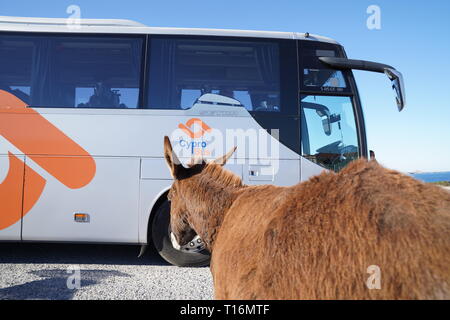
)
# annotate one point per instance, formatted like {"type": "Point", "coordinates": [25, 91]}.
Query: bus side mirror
{"type": "Point", "coordinates": [394, 75]}
{"type": "Point", "coordinates": [398, 85]}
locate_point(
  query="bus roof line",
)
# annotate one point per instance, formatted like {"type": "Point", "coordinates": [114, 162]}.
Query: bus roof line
{"type": "Point", "coordinates": [64, 25]}
{"type": "Point", "coordinates": [63, 21]}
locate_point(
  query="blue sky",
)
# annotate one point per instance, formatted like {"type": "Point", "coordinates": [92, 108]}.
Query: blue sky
{"type": "Point", "coordinates": [413, 38]}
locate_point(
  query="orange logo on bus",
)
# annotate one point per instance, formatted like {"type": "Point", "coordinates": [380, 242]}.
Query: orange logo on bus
{"type": "Point", "coordinates": [190, 124]}
{"type": "Point", "coordinates": [48, 147]}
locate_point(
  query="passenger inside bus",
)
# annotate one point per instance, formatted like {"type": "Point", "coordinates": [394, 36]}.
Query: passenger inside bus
{"type": "Point", "coordinates": [227, 93]}
{"type": "Point", "coordinates": [103, 97]}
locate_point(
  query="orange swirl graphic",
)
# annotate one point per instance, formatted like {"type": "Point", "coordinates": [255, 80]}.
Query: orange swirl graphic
{"type": "Point", "coordinates": [46, 145]}
{"type": "Point", "coordinates": [190, 123]}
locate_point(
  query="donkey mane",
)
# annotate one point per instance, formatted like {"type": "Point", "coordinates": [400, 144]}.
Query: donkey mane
{"type": "Point", "coordinates": [221, 176]}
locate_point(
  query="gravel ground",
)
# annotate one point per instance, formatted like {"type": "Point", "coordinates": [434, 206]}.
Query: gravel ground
{"type": "Point", "coordinates": [40, 271]}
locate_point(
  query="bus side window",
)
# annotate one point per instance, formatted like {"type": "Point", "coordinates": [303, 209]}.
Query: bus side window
{"type": "Point", "coordinates": [72, 71]}
{"type": "Point", "coordinates": [181, 70]}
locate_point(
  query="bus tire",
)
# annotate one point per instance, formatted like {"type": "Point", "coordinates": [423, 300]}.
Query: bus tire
{"type": "Point", "coordinates": [162, 243]}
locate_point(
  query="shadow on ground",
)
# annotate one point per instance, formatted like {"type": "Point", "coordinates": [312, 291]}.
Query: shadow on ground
{"type": "Point", "coordinates": [59, 253]}
{"type": "Point", "coordinates": [54, 284]}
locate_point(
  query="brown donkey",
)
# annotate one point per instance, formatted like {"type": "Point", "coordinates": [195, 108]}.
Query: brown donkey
{"type": "Point", "coordinates": [320, 239]}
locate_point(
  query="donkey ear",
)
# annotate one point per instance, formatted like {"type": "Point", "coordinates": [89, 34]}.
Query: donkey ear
{"type": "Point", "coordinates": [223, 159]}
{"type": "Point", "coordinates": [172, 160]}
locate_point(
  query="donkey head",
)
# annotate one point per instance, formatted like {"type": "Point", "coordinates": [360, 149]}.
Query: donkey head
{"type": "Point", "coordinates": [180, 208]}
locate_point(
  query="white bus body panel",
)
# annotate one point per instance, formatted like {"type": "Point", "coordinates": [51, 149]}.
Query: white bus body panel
{"type": "Point", "coordinates": [110, 199]}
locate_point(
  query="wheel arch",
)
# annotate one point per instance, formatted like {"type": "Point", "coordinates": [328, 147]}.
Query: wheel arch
{"type": "Point", "coordinates": [157, 202]}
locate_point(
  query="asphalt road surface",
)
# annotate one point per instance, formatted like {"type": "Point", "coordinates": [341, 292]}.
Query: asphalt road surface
{"type": "Point", "coordinates": [80, 271]}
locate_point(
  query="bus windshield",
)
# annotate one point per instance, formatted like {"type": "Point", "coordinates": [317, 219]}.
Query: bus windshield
{"type": "Point", "coordinates": [329, 135]}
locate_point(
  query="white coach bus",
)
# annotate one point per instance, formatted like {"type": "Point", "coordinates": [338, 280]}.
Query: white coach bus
{"type": "Point", "coordinates": [84, 109]}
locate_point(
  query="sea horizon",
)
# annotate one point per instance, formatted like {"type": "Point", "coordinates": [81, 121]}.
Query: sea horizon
{"type": "Point", "coordinates": [431, 176]}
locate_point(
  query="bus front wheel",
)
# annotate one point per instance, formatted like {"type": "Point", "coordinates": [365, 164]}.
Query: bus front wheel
{"type": "Point", "coordinates": [161, 240]}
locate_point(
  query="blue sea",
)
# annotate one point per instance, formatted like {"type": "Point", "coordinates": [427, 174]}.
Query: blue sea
{"type": "Point", "coordinates": [432, 176]}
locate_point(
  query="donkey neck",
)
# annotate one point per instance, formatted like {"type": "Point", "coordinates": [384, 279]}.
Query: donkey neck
{"type": "Point", "coordinates": [211, 196]}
